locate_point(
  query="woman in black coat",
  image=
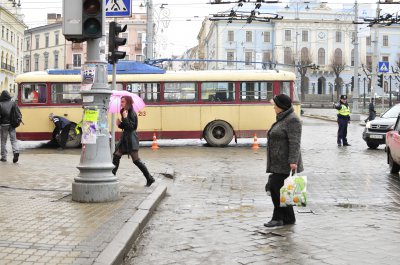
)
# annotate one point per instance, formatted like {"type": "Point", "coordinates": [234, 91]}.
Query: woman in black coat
{"type": "Point", "coordinates": [129, 143]}
{"type": "Point", "coordinates": [283, 156]}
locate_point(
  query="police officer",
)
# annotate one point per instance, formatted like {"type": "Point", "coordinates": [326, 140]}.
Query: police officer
{"type": "Point", "coordinates": [63, 126]}
{"type": "Point", "coordinates": [343, 120]}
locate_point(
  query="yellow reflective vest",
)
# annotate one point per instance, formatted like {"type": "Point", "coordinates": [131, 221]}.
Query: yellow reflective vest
{"type": "Point", "coordinates": [344, 110]}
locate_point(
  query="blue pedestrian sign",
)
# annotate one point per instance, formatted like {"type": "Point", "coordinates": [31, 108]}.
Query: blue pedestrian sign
{"type": "Point", "coordinates": [118, 8]}
{"type": "Point", "coordinates": [383, 67]}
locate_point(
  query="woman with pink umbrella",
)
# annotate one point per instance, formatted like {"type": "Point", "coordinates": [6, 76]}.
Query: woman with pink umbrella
{"type": "Point", "coordinates": [129, 143]}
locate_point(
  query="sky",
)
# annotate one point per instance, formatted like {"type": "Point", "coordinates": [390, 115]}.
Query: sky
{"type": "Point", "coordinates": [185, 18]}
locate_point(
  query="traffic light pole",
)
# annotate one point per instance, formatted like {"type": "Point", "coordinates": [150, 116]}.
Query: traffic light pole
{"type": "Point", "coordinates": [95, 182]}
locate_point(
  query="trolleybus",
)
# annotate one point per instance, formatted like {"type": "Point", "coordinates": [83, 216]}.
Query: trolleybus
{"type": "Point", "coordinates": [218, 106]}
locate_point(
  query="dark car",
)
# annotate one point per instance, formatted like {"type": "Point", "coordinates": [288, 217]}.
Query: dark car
{"type": "Point", "coordinates": [375, 131]}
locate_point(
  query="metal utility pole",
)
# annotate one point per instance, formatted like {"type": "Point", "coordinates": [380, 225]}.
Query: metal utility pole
{"type": "Point", "coordinates": [356, 64]}
{"type": "Point", "coordinates": [375, 58]}
{"type": "Point", "coordinates": [149, 30]}
{"type": "Point", "coordinates": [95, 182]}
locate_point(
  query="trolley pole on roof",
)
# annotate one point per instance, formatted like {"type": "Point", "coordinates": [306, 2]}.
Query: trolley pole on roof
{"type": "Point", "coordinates": [95, 182]}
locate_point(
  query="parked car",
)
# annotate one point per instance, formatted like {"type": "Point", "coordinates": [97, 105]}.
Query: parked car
{"type": "Point", "coordinates": [375, 131]}
{"type": "Point", "coordinates": [393, 147]}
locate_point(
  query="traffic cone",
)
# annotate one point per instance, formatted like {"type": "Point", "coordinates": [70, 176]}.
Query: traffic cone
{"type": "Point", "coordinates": [154, 145]}
{"type": "Point", "coordinates": [255, 143]}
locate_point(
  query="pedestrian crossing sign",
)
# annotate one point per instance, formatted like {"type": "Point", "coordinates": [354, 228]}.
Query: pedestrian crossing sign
{"type": "Point", "coordinates": [383, 67]}
{"type": "Point", "coordinates": [118, 8]}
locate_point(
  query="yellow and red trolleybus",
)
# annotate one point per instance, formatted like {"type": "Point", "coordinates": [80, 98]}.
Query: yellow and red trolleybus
{"type": "Point", "coordinates": [214, 105]}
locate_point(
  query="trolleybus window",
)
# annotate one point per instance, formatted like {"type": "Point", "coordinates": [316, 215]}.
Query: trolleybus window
{"type": "Point", "coordinates": [34, 93]}
{"type": "Point", "coordinates": [180, 92]}
{"type": "Point", "coordinates": [256, 91]}
{"type": "Point", "coordinates": [285, 88]}
{"type": "Point", "coordinates": [65, 93]}
{"type": "Point", "coordinates": [149, 92]}
{"type": "Point", "coordinates": [217, 91]}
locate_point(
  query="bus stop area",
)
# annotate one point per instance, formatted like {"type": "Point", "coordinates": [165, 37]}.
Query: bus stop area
{"type": "Point", "coordinates": [40, 224]}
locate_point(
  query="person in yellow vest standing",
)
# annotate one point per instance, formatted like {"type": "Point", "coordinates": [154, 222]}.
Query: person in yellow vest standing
{"type": "Point", "coordinates": [343, 119]}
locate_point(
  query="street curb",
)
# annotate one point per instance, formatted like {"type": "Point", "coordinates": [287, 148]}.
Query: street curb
{"type": "Point", "coordinates": [116, 250]}
{"type": "Point", "coordinates": [325, 118]}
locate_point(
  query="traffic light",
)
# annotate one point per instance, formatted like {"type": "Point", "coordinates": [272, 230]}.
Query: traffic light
{"type": "Point", "coordinates": [83, 20]}
{"type": "Point", "coordinates": [114, 41]}
{"type": "Point", "coordinates": [92, 19]}
{"type": "Point", "coordinates": [380, 80]}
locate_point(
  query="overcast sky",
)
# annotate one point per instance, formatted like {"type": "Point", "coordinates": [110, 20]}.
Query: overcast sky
{"type": "Point", "coordinates": [185, 18]}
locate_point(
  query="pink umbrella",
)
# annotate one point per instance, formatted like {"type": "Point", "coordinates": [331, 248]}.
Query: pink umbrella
{"type": "Point", "coordinates": [115, 101]}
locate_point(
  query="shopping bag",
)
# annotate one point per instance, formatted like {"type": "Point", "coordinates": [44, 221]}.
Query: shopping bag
{"type": "Point", "coordinates": [294, 191]}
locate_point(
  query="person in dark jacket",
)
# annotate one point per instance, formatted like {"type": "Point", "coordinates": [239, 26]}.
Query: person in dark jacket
{"type": "Point", "coordinates": [283, 156]}
{"type": "Point", "coordinates": [61, 130]}
{"type": "Point", "coordinates": [343, 119]}
{"type": "Point", "coordinates": [129, 143]}
{"type": "Point", "coordinates": [6, 104]}
{"type": "Point", "coordinates": [371, 111]}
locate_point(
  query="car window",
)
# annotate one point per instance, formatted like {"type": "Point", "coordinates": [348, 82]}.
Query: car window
{"type": "Point", "coordinates": [397, 126]}
{"type": "Point", "coordinates": [392, 113]}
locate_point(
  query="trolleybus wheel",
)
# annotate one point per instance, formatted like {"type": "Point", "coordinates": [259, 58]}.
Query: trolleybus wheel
{"type": "Point", "coordinates": [218, 134]}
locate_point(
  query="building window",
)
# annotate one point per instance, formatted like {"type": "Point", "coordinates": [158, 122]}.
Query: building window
{"type": "Point", "coordinates": [304, 55]}
{"type": "Point", "coordinates": [27, 64]}
{"type": "Point", "coordinates": [353, 37]}
{"type": "Point", "coordinates": [2, 32]}
{"type": "Point", "coordinates": [36, 63]}
{"type": "Point", "coordinates": [46, 61]}
{"type": "Point", "coordinates": [56, 38]}
{"type": "Point", "coordinates": [288, 35]}
{"type": "Point", "coordinates": [385, 58]}
{"type": "Point", "coordinates": [267, 36]}
{"type": "Point", "coordinates": [352, 57]}
{"type": "Point", "coordinates": [287, 58]}
{"type": "Point", "coordinates": [369, 61]}
{"type": "Point", "coordinates": [231, 36]}
{"type": "Point", "coordinates": [304, 35]}
{"type": "Point", "coordinates": [338, 56]}
{"type": "Point", "coordinates": [37, 42]}
{"type": "Point", "coordinates": [28, 45]}
{"type": "Point", "coordinates": [385, 40]}
{"type": "Point", "coordinates": [266, 57]}
{"type": "Point", "coordinates": [7, 35]}
{"type": "Point", "coordinates": [321, 56]}
{"type": "Point", "coordinates": [368, 40]}
{"type": "Point", "coordinates": [249, 36]}
{"type": "Point", "coordinates": [47, 41]}
{"type": "Point", "coordinates": [56, 61]}
{"type": "Point", "coordinates": [338, 36]}
{"type": "Point", "coordinates": [248, 58]}
{"type": "Point", "coordinates": [77, 60]}
{"type": "Point", "coordinates": [230, 57]}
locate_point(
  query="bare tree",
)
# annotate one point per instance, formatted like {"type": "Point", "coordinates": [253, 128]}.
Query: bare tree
{"type": "Point", "coordinates": [337, 66]}
{"type": "Point", "coordinates": [302, 67]}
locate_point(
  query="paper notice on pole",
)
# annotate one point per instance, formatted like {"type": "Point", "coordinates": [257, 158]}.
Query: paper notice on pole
{"type": "Point", "coordinates": [89, 132]}
{"type": "Point", "coordinates": [88, 99]}
{"type": "Point", "coordinates": [88, 76]}
{"type": "Point", "coordinates": [91, 115]}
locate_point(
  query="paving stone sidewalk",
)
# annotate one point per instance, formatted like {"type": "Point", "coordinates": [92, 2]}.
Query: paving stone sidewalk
{"type": "Point", "coordinates": [40, 224]}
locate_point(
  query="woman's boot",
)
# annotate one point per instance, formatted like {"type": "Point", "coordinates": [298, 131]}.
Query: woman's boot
{"type": "Point", "coordinates": [115, 161]}
{"type": "Point", "coordinates": [145, 172]}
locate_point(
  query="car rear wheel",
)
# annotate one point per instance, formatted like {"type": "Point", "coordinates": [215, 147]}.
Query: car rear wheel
{"type": "Point", "coordinates": [394, 167]}
{"type": "Point", "coordinates": [218, 134]}
{"type": "Point", "coordinates": [372, 145]}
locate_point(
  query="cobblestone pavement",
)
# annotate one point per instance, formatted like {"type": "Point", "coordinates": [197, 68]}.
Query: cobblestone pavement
{"type": "Point", "coordinates": [40, 224]}
{"type": "Point", "coordinates": [216, 206]}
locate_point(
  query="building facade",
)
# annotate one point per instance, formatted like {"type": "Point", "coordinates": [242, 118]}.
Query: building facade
{"type": "Point", "coordinates": [11, 42]}
{"type": "Point", "coordinates": [46, 48]}
{"type": "Point", "coordinates": [310, 33]}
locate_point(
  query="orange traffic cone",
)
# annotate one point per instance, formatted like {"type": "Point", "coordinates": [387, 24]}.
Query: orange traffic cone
{"type": "Point", "coordinates": [154, 145]}
{"type": "Point", "coordinates": [255, 143]}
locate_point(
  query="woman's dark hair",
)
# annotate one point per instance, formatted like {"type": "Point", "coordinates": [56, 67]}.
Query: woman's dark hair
{"type": "Point", "coordinates": [129, 103]}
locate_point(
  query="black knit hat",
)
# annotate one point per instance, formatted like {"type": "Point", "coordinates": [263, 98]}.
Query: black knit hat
{"type": "Point", "coordinates": [343, 97]}
{"type": "Point", "coordinates": [283, 101]}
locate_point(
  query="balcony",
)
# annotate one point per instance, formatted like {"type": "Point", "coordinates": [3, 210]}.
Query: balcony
{"type": "Point", "coordinates": [8, 67]}
{"type": "Point", "coordinates": [77, 46]}
{"type": "Point", "coordinates": [138, 46]}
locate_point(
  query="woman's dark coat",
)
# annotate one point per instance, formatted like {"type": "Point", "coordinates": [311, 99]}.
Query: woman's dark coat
{"type": "Point", "coordinates": [129, 141]}
{"type": "Point", "coordinates": [283, 146]}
